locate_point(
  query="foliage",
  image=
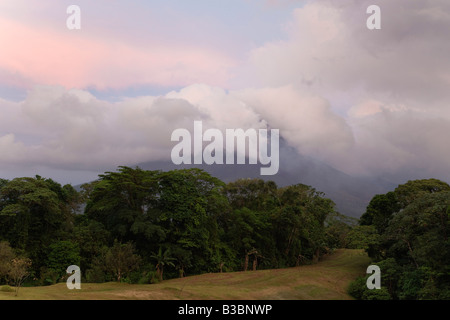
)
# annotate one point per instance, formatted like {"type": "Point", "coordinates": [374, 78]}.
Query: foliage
{"type": "Point", "coordinates": [358, 290]}
{"type": "Point", "coordinates": [412, 247]}
{"type": "Point", "coordinates": [162, 259]}
{"type": "Point", "coordinates": [362, 237]}
{"type": "Point", "coordinates": [120, 260]}
{"type": "Point", "coordinates": [337, 230]}
{"type": "Point", "coordinates": [169, 224]}
{"type": "Point", "coordinates": [19, 271]}
{"type": "Point", "coordinates": [33, 213]}
{"type": "Point", "coordinates": [61, 255]}
{"type": "Point", "coordinates": [6, 289]}
{"type": "Point", "coordinates": [6, 256]}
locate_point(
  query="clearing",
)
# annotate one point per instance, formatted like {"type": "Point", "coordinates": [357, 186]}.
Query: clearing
{"type": "Point", "coordinates": [326, 280]}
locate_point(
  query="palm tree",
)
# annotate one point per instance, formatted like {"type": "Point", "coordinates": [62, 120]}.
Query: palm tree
{"type": "Point", "coordinates": [162, 259]}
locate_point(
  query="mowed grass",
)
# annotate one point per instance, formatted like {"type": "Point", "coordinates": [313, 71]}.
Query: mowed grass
{"type": "Point", "coordinates": [326, 280]}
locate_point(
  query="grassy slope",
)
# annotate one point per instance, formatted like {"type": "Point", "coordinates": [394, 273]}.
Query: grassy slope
{"type": "Point", "coordinates": [326, 280]}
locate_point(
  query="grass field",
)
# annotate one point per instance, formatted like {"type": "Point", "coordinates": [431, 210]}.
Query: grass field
{"type": "Point", "coordinates": [326, 280]}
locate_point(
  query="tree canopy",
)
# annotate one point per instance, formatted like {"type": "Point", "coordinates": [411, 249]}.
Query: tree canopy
{"type": "Point", "coordinates": [137, 223]}
{"type": "Point", "coordinates": [412, 245]}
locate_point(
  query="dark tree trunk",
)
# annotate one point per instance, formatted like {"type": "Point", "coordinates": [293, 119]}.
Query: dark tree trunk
{"type": "Point", "coordinates": [316, 256]}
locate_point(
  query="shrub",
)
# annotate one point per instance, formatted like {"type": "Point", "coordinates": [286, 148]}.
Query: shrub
{"type": "Point", "coordinates": [376, 294]}
{"type": "Point", "coordinates": [357, 288]}
{"type": "Point", "coordinates": [6, 289]}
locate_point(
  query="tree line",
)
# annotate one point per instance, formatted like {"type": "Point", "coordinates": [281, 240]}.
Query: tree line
{"type": "Point", "coordinates": [144, 226]}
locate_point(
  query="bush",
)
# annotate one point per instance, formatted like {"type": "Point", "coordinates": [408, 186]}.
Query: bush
{"type": "Point", "coordinates": [376, 294]}
{"type": "Point", "coordinates": [133, 278]}
{"type": "Point", "coordinates": [358, 290]}
{"type": "Point", "coordinates": [6, 289]}
{"type": "Point", "coordinates": [48, 276]}
{"type": "Point", "coordinates": [96, 275]}
{"type": "Point", "coordinates": [152, 277]}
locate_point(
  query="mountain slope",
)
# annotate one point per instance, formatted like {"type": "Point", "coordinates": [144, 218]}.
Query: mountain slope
{"type": "Point", "coordinates": [351, 194]}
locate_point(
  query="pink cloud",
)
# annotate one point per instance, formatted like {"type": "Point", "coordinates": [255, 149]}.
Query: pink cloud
{"type": "Point", "coordinates": [79, 58]}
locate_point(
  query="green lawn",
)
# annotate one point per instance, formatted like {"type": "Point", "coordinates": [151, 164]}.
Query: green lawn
{"type": "Point", "coordinates": [327, 279]}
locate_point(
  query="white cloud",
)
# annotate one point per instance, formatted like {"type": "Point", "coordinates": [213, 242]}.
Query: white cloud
{"type": "Point", "coordinates": [305, 121]}
{"type": "Point", "coordinates": [391, 85]}
{"type": "Point", "coordinates": [72, 129]}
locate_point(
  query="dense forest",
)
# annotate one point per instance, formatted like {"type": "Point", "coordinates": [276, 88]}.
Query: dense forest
{"type": "Point", "coordinates": [142, 226]}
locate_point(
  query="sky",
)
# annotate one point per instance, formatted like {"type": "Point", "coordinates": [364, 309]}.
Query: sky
{"type": "Point", "coordinates": [76, 103]}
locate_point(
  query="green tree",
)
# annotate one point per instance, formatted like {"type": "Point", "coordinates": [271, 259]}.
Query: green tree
{"type": "Point", "coordinates": [337, 228]}
{"type": "Point", "coordinates": [189, 202]}
{"type": "Point", "coordinates": [312, 209]}
{"type": "Point", "coordinates": [162, 259]}
{"type": "Point", "coordinates": [121, 260]}
{"type": "Point", "coordinates": [362, 237]}
{"type": "Point", "coordinates": [125, 203]}
{"type": "Point", "coordinates": [62, 254]}
{"type": "Point", "coordinates": [380, 210]}
{"type": "Point", "coordinates": [412, 247]}
{"type": "Point", "coordinates": [35, 212]}
{"type": "Point", "coordinates": [414, 189]}
{"type": "Point", "coordinates": [6, 256]}
{"type": "Point", "coordinates": [91, 237]}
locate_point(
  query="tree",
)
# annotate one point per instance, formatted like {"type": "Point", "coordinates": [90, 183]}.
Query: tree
{"type": "Point", "coordinates": [337, 228]}
{"type": "Point", "coordinates": [308, 210]}
{"type": "Point", "coordinates": [246, 231]}
{"type": "Point", "coordinates": [285, 226]}
{"type": "Point", "coordinates": [61, 255]}
{"type": "Point", "coordinates": [254, 194]}
{"type": "Point", "coordinates": [6, 256]}
{"type": "Point", "coordinates": [91, 237]}
{"type": "Point", "coordinates": [412, 244]}
{"type": "Point", "coordinates": [362, 237]}
{"type": "Point", "coordinates": [162, 259]}
{"type": "Point", "coordinates": [420, 233]}
{"type": "Point", "coordinates": [152, 208]}
{"type": "Point", "coordinates": [121, 260]}
{"type": "Point", "coordinates": [35, 212]}
{"type": "Point", "coordinates": [380, 210]}
{"type": "Point", "coordinates": [414, 189]}
{"type": "Point", "coordinates": [182, 257]}
{"type": "Point", "coordinates": [18, 272]}
{"type": "Point", "coordinates": [124, 203]}
{"type": "Point", "coordinates": [190, 202]}
{"type": "Point", "coordinates": [382, 207]}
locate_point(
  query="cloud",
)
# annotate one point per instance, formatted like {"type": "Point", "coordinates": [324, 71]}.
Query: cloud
{"type": "Point", "coordinates": [329, 48]}
{"type": "Point", "coordinates": [367, 102]}
{"type": "Point", "coordinates": [403, 143]}
{"type": "Point", "coordinates": [72, 129]}
{"type": "Point", "coordinates": [305, 121]}
{"type": "Point", "coordinates": [80, 59]}
{"type": "Point", "coordinates": [390, 85]}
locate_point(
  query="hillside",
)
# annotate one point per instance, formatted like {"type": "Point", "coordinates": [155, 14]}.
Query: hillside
{"type": "Point", "coordinates": [326, 280]}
